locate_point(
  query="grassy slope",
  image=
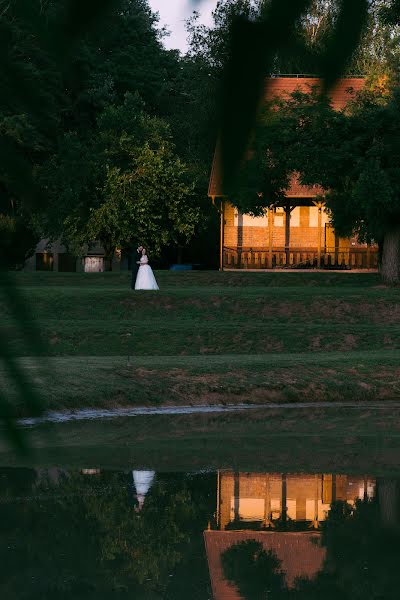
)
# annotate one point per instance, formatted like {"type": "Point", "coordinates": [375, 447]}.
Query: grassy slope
{"type": "Point", "coordinates": [209, 337]}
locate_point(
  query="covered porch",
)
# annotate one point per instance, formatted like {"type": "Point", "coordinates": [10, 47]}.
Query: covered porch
{"type": "Point", "coordinates": [295, 234]}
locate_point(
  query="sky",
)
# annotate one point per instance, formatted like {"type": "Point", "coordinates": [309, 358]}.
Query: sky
{"type": "Point", "coordinates": [173, 14]}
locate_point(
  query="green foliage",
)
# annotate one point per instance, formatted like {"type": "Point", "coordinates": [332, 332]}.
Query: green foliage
{"type": "Point", "coordinates": [129, 184]}
{"type": "Point", "coordinates": [362, 552]}
{"type": "Point", "coordinates": [29, 112]}
{"type": "Point", "coordinates": [109, 92]}
{"type": "Point", "coordinates": [117, 133]}
{"type": "Point", "coordinates": [80, 536]}
{"type": "Point", "coordinates": [390, 11]}
{"type": "Point", "coordinates": [69, 178]}
{"type": "Point", "coordinates": [150, 202]}
{"type": "Point", "coordinates": [17, 242]}
{"type": "Point", "coordinates": [366, 193]}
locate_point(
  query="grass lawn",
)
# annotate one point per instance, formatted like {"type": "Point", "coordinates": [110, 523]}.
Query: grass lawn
{"type": "Point", "coordinates": [206, 337]}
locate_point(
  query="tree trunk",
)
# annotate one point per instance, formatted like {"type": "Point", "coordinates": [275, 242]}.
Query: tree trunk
{"type": "Point", "coordinates": [179, 255]}
{"type": "Point", "coordinates": [109, 251]}
{"type": "Point", "coordinates": [391, 256]}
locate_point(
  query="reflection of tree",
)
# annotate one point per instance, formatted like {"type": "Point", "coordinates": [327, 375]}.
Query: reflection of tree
{"type": "Point", "coordinates": [362, 556]}
{"type": "Point", "coordinates": [80, 537]}
{"type": "Point", "coordinates": [83, 539]}
{"type": "Point", "coordinates": [254, 571]}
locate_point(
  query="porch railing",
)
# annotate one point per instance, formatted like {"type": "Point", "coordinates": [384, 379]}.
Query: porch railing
{"type": "Point", "coordinates": [298, 258]}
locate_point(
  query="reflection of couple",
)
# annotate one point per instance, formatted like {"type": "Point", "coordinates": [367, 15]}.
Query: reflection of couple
{"type": "Point", "coordinates": [142, 274]}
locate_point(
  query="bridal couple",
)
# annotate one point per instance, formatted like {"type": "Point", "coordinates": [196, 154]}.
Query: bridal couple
{"type": "Point", "coordinates": [142, 274]}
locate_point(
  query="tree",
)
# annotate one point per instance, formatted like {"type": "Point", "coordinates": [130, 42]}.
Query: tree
{"type": "Point", "coordinates": [120, 99]}
{"type": "Point", "coordinates": [26, 136]}
{"type": "Point", "coordinates": [129, 184]}
{"type": "Point", "coordinates": [81, 537]}
{"type": "Point", "coordinates": [122, 57]}
{"type": "Point", "coordinates": [379, 52]}
{"type": "Point", "coordinates": [374, 193]}
{"type": "Point", "coordinates": [17, 242]}
{"type": "Point", "coordinates": [150, 202]}
{"type": "Point", "coordinates": [361, 553]}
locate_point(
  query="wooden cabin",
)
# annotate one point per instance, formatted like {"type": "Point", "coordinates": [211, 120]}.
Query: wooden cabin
{"type": "Point", "coordinates": [297, 233]}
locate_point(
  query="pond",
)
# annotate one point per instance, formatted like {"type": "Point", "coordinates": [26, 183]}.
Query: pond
{"type": "Point", "coordinates": [225, 534]}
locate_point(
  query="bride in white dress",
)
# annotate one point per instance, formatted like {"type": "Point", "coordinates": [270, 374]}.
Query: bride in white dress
{"type": "Point", "coordinates": [145, 279]}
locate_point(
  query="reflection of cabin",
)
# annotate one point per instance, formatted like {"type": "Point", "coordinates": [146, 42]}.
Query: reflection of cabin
{"type": "Point", "coordinates": [297, 232]}
{"type": "Point", "coordinates": [263, 500]}
{"type": "Point", "coordinates": [283, 513]}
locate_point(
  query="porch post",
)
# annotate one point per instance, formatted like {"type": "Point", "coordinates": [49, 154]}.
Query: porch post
{"type": "Point", "coordinates": [222, 235]}
{"type": "Point", "coordinates": [288, 210]}
{"type": "Point", "coordinates": [218, 498]}
{"type": "Point", "coordinates": [284, 499]}
{"type": "Point", "coordinates": [55, 261]}
{"type": "Point", "coordinates": [315, 523]}
{"type": "Point", "coordinates": [319, 205]}
{"type": "Point", "coordinates": [267, 505]}
{"type": "Point", "coordinates": [270, 236]}
{"type": "Point", "coordinates": [336, 250]}
{"type": "Point", "coordinates": [319, 236]}
{"type": "Point", "coordinates": [236, 494]}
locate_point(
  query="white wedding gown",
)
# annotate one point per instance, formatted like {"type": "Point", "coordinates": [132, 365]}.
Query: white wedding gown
{"type": "Point", "coordinates": [145, 279]}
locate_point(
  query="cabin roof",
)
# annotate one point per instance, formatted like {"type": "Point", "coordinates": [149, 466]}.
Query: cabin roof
{"type": "Point", "coordinates": [343, 91]}
{"type": "Point", "coordinates": [300, 556]}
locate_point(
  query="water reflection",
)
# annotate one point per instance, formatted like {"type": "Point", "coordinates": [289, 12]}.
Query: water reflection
{"type": "Point", "coordinates": [142, 482]}
{"type": "Point", "coordinates": [268, 500]}
{"type": "Point", "coordinates": [82, 535]}
{"type": "Point", "coordinates": [226, 535]}
{"type": "Point", "coordinates": [268, 538]}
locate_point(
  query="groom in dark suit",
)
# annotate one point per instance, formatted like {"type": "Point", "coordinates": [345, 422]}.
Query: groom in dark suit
{"type": "Point", "coordinates": [135, 257]}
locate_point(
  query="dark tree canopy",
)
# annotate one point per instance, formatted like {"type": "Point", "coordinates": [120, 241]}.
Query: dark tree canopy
{"type": "Point", "coordinates": [115, 89]}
